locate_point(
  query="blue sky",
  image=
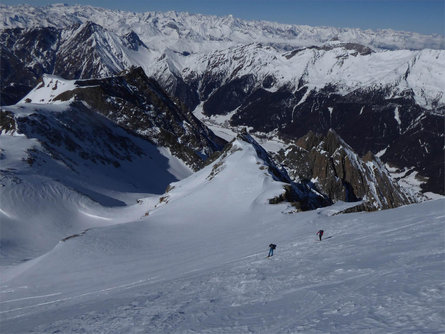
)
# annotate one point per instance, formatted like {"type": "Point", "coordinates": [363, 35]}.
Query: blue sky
{"type": "Point", "coordinates": [423, 16]}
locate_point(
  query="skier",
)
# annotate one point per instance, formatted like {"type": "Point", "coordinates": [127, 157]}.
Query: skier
{"type": "Point", "coordinates": [320, 234]}
{"type": "Point", "coordinates": [271, 248]}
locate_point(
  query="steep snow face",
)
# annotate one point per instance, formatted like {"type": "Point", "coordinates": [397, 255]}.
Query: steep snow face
{"type": "Point", "coordinates": [246, 157]}
{"type": "Point", "coordinates": [193, 33]}
{"type": "Point", "coordinates": [250, 185]}
{"type": "Point", "coordinates": [197, 263]}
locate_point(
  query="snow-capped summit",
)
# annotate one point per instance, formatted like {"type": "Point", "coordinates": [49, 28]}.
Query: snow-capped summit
{"type": "Point", "coordinates": [193, 32]}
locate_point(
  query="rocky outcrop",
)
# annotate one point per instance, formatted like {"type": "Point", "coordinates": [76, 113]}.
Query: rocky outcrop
{"type": "Point", "coordinates": [138, 103]}
{"type": "Point", "coordinates": [406, 134]}
{"type": "Point", "coordinates": [7, 122]}
{"type": "Point", "coordinates": [301, 195]}
{"type": "Point", "coordinates": [336, 171]}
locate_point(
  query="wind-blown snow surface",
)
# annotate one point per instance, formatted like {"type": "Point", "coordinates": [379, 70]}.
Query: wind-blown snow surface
{"type": "Point", "coordinates": [197, 264]}
{"type": "Point", "coordinates": [48, 191]}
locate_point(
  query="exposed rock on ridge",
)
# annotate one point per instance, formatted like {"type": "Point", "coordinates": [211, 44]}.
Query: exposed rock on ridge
{"type": "Point", "coordinates": [333, 167]}
{"type": "Point", "coordinates": [138, 103]}
{"type": "Point", "coordinates": [302, 195]}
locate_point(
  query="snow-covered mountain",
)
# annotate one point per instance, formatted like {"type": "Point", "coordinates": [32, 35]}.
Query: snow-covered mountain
{"type": "Point", "coordinates": [120, 211]}
{"type": "Point", "coordinates": [193, 260]}
{"type": "Point", "coordinates": [183, 37]}
{"type": "Point", "coordinates": [186, 45]}
{"type": "Point", "coordinates": [80, 51]}
{"type": "Point", "coordinates": [272, 78]}
{"type": "Point", "coordinates": [78, 144]}
{"type": "Point", "coordinates": [138, 103]}
{"type": "Point", "coordinates": [193, 32]}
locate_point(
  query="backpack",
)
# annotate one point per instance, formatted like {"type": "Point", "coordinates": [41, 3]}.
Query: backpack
{"type": "Point", "coordinates": [273, 246]}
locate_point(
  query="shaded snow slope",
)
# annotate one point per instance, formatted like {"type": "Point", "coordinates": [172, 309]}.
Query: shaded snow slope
{"type": "Point", "coordinates": [197, 263]}
{"type": "Point", "coordinates": [58, 162]}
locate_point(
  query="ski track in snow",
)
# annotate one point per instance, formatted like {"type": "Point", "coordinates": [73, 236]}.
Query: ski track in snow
{"type": "Point", "coordinates": [197, 263]}
{"type": "Point", "coordinates": [306, 287]}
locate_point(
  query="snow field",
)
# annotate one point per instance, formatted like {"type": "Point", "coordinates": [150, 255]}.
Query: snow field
{"type": "Point", "coordinates": [366, 278]}
{"type": "Point", "coordinates": [197, 264]}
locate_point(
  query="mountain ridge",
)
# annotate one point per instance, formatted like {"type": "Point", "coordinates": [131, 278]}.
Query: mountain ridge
{"type": "Point", "coordinates": [56, 15]}
{"type": "Point", "coordinates": [268, 87]}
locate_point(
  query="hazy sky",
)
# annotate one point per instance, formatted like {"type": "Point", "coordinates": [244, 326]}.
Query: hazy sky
{"type": "Point", "coordinates": [424, 16]}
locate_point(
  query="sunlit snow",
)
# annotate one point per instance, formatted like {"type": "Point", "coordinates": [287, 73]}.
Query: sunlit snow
{"type": "Point", "coordinates": [197, 263]}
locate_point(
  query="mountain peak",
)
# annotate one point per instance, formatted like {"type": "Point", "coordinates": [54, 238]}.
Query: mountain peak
{"type": "Point", "coordinates": [132, 41]}
{"type": "Point", "coordinates": [138, 104]}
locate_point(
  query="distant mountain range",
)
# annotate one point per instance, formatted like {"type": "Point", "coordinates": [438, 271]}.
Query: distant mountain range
{"type": "Point", "coordinates": [174, 30]}
{"type": "Point", "coordinates": [380, 91]}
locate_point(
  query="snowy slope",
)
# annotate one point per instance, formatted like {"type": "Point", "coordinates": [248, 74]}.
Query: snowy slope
{"type": "Point", "coordinates": [50, 87]}
{"type": "Point", "coordinates": [197, 263]}
{"type": "Point", "coordinates": [335, 66]}
{"type": "Point", "coordinates": [58, 162]}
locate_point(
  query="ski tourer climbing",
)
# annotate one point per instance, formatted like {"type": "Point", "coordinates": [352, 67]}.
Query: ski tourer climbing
{"type": "Point", "coordinates": [271, 248]}
{"type": "Point", "coordinates": [320, 234]}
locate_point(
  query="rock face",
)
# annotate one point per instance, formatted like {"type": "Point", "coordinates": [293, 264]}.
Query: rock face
{"type": "Point", "coordinates": [138, 103]}
{"type": "Point", "coordinates": [81, 51]}
{"type": "Point", "coordinates": [25, 56]}
{"type": "Point", "coordinates": [406, 134]}
{"type": "Point", "coordinates": [336, 171]}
